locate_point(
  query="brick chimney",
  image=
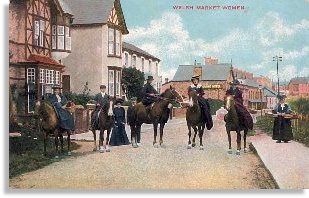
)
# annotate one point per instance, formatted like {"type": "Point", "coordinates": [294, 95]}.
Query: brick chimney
{"type": "Point", "coordinates": [211, 61]}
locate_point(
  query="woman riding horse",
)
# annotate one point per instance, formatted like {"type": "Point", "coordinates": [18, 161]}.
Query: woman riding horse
{"type": "Point", "coordinates": [157, 114]}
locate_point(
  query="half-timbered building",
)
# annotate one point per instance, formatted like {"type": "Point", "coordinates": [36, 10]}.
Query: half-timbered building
{"type": "Point", "coordinates": [96, 53]}
{"type": "Point", "coordinates": [39, 39]}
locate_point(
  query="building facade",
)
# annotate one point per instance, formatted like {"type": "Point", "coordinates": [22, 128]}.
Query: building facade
{"type": "Point", "coordinates": [39, 38]}
{"type": "Point", "coordinates": [298, 87]}
{"type": "Point", "coordinates": [135, 57]}
{"type": "Point", "coordinates": [96, 54]}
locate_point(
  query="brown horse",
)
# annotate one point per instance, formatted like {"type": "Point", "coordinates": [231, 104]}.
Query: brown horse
{"type": "Point", "coordinates": [105, 123]}
{"type": "Point", "coordinates": [48, 122]}
{"type": "Point", "coordinates": [158, 114]}
{"type": "Point", "coordinates": [195, 120]}
{"type": "Point", "coordinates": [233, 124]}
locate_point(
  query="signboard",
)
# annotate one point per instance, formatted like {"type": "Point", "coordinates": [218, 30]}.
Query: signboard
{"type": "Point", "coordinates": [213, 87]}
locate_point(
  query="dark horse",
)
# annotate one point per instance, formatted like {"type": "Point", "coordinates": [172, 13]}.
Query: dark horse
{"type": "Point", "coordinates": [194, 117]}
{"type": "Point", "coordinates": [159, 114]}
{"type": "Point", "coordinates": [233, 124]}
{"type": "Point", "coordinates": [105, 123]}
{"type": "Point", "coordinates": [48, 121]}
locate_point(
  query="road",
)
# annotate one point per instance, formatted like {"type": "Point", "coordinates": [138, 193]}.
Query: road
{"type": "Point", "coordinates": [146, 167]}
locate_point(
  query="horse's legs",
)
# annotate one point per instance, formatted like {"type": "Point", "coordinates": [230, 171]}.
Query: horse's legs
{"type": "Point", "coordinates": [155, 133]}
{"type": "Point", "coordinates": [61, 140]}
{"type": "Point", "coordinates": [94, 139]}
{"type": "Point", "coordinates": [161, 133]}
{"type": "Point", "coordinates": [201, 131]}
{"type": "Point", "coordinates": [101, 141]}
{"type": "Point", "coordinates": [56, 141]}
{"type": "Point", "coordinates": [194, 136]}
{"type": "Point", "coordinates": [69, 142]}
{"type": "Point", "coordinates": [189, 134]}
{"type": "Point", "coordinates": [107, 149]}
{"type": "Point", "coordinates": [238, 142]}
{"type": "Point", "coordinates": [229, 139]}
{"type": "Point", "coordinates": [245, 140]}
{"type": "Point", "coordinates": [45, 142]}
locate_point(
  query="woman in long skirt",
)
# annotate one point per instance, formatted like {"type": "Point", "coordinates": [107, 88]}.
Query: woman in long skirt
{"type": "Point", "coordinates": [282, 130]}
{"type": "Point", "coordinates": [119, 135]}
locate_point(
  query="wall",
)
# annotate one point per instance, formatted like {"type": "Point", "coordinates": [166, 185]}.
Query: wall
{"type": "Point", "coordinates": [84, 64]}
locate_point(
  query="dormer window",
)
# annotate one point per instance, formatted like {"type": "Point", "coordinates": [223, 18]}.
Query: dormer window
{"type": "Point", "coordinates": [39, 31]}
{"type": "Point", "coordinates": [61, 39]}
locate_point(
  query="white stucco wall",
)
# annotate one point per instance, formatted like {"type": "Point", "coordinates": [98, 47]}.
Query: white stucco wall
{"type": "Point", "coordinates": [84, 64]}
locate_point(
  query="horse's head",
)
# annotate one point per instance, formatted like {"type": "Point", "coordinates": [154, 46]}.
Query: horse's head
{"type": "Point", "coordinates": [109, 106]}
{"type": "Point", "coordinates": [229, 102]}
{"type": "Point", "coordinates": [172, 94]}
{"type": "Point", "coordinates": [192, 98]}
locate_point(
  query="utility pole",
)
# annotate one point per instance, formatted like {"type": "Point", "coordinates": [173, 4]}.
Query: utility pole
{"type": "Point", "coordinates": [277, 58]}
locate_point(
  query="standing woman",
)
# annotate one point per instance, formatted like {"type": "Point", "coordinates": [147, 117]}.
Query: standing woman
{"type": "Point", "coordinates": [119, 135]}
{"type": "Point", "coordinates": [282, 130]}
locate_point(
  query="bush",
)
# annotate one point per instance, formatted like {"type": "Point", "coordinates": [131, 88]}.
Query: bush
{"type": "Point", "coordinates": [80, 99]}
{"type": "Point", "coordinates": [133, 80]}
{"type": "Point", "coordinates": [215, 104]}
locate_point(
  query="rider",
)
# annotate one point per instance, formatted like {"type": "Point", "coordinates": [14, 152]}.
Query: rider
{"type": "Point", "coordinates": [149, 94]}
{"type": "Point", "coordinates": [196, 86]}
{"type": "Point", "coordinates": [59, 101]}
{"type": "Point", "coordinates": [101, 99]}
{"type": "Point", "coordinates": [242, 112]}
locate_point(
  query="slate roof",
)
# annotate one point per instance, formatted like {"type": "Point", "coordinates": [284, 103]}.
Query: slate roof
{"type": "Point", "coordinates": [133, 48]}
{"type": "Point", "coordinates": [300, 80]}
{"type": "Point", "coordinates": [65, 7]}
{"type": "Point", "coordinates": [269, 92]}
{"type": "Point", "coordinates": [92, 11]}
{"type": "Point", "coordinates": [218, 72]}
{"type": "Point", "coordinates": [250, 83]}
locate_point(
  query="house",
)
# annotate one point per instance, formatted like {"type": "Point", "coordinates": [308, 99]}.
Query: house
{"type": "Point", "coordinates": [39, 39]}
{"type": "Point", "coordinates": [96, 53]}
{"type": "Point", "coordinates": [299, 87]}
{"type": "Point", "coordinates": [135, 57]}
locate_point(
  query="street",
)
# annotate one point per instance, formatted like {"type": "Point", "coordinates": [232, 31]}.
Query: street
{"type": "Point", "coordinates": [146, 167]}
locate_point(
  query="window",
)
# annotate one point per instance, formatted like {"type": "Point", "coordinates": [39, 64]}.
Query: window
{"type": "Point", "coordinates": [49, 76]}
{"type": "Point", "coordinates": [111, 39]}
{"type": "Point", "coordinates": [42, 76]}
{"type": "Point", "coordinates": [60, 37]}
{"type": "Point", "coordinates": [157, 68]}
{"type": "Point", "coordinates": [114, 82]}
{"type": "Point", "coordinates": [143, 64]}
{"type": "Point", "coordinates": [149, 66]}
{"type": "Point", "coordinates": [111, 80]}
{"type": "Point", "coordinates": [31, 89]}
{"type": "Point", "coordinates": [57, 78]}
{"type": "Point", "coordinates": [133, 61]}
{"type": "Point", "coordinates": [117, 83]}
{"type": "Point", "coordinates": [67, 39]}
{"type": "Point", "coordinates": [39, 29]}
{"type": "Point", "coordinates": [126, 59]}
{"type": "Point", "coordinates": [114, 42]}
{"type": "Point", "coordinates": [30, 75]}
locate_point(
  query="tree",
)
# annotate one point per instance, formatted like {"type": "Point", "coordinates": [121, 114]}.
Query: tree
{"type": "Point", "coordinates": [133, 80]}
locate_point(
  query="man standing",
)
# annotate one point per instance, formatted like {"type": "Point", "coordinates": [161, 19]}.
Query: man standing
{"type": "Point", "coordinates": [201, 100]}
{"type": "Point", "coordinates": [101, 100]}
{"type": "Point", "coordinates": [131, 120]}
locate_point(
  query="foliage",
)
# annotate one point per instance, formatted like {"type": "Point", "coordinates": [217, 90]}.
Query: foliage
{"type": "Point", "coordinates": [80, 99]}
{"type": "Point", "coordinates": [300, 105]}
{"type": "Point", "coordinates": [26, 152]}
{"type": "Point", "coordinates": [133, 79]}
{"type": "Point", "coordinates": [215, 104]}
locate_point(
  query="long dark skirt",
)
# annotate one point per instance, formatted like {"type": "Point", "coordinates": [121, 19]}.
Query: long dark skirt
{"type": "Point", "coordinates": [282, 129]}
{"type": "Point", "coordinates": [119, 136]}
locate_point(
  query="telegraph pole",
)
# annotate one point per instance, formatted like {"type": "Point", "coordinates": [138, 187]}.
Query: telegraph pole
{"type": "Point", "coordinates": [277, 58]}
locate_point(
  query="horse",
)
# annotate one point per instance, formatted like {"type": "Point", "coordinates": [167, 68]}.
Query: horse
{"type": "Point", "coordinates": [194, 118]}
{"type": "Point", "coordinates": [48, 121]}
{"type": "Point", "coordinates": [158, 114]}
{"type": "Point", "coordinates": [105, 123]}
{"type": "Point", "coordinates": [233, 124]}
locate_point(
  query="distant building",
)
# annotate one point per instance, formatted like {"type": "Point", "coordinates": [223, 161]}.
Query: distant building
{"type": "Point", "coordinates": [211, 61]}
{"type": "Point", "coordinates": [299, 87]}
{"type": "Point", "coordinates": [265, 81]}
{"type": "Point", "coordinates": [135, 57]}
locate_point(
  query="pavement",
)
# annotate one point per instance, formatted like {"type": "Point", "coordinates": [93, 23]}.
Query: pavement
{"type": "Point", "coordinates": [287, 162]}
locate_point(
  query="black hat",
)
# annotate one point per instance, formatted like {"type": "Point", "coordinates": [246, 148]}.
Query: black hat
{"type": "Point", "coordinates": [281, 97]}
{"type": "Point", "coordinates": [195, 77]}
{"type": "Point", "coordinates": [133, 99]}
{"type": "Point", "coordinates": [150, 78]}
{"type": "Point", "coordinates": [119, 101]}
{"type": "Point", "coordinates": [235, 82]}
{"type": "Point", "coordinates": [102, 87]}
{"type": "Point", "coordinates": [56, 87]}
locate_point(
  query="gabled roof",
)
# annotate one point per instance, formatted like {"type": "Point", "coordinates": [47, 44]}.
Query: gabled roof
{"type": "Point", "coordinates": [65, 8]}
{"type": "Point", "coordinates": [88, 12]}
{"type": "Point", "coordinates": [269, 92]}
{"type": "Point", "coordinates": [41, 59]}
{"type": "Point", "coordinates": [138, 51]}
{"type": "Point", "coordinates": [249, 82]}
{"type": "Point", "coordinates": [218, 72]}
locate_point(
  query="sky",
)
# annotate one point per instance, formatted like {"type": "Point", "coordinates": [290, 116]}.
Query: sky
{"type": "Point", "coordinates": [251, 36]}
